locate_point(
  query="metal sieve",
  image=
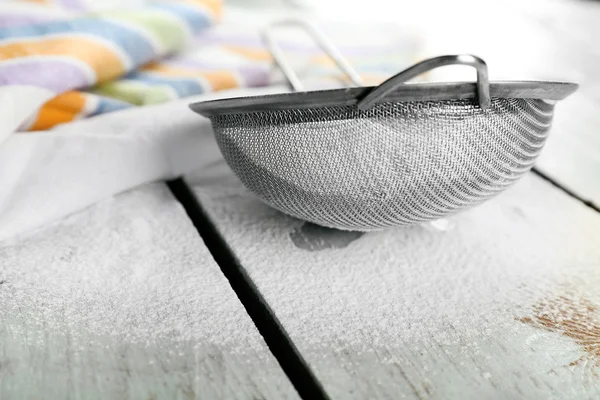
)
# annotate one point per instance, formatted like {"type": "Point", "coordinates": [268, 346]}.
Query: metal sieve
{"type": "Point", "coordinates": [366, 158]}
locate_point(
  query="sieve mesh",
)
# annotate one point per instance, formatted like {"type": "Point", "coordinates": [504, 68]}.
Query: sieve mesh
{"type": "Point", "coordinates": [394, 164]}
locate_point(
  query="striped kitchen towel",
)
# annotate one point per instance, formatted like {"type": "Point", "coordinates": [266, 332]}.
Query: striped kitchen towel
{"type": "Point", "coordinates": [62, 60]}
{"type": "Point", "coordinates": [115, 53]}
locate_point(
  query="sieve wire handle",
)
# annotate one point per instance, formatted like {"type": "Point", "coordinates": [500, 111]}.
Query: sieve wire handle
{"type": "Point", "coordinates": [320, 38]}
{"type": "Point", "coordinates": [483, 84]}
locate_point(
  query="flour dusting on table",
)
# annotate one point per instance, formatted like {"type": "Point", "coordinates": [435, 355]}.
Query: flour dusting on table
{"type": "Point", "coordinates": [131, 267]}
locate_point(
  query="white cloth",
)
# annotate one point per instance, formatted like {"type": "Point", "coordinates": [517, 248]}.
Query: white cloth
{"type": "Point", "coordinates": [45, 176]}
{"type": "Point", "coordinates": [16, 103]}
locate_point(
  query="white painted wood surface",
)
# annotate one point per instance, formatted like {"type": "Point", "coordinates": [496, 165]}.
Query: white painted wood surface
{"type": "Point", "coordinates": [499, 302]}
{"type": "Point", "coordinates": [123, 301]}
{"type": "Point", "coordinates": [530, 40]}
{"type": "Point", "coordinates": [572, 156]}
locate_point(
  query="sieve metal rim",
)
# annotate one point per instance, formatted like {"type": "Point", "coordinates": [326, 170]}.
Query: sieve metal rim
{"type": "Point", "coordinates": [544, 90]}
{"type": "Point", "coordinates": [394, 89]}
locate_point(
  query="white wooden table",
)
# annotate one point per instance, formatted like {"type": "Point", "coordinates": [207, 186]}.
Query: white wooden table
{"type": "Point", "coordinates": [216, 295]}
{"type": "Point", "coordinates": [161, 322]}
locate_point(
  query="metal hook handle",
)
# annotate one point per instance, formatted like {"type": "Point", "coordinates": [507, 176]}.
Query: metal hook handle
{"type": "Point", "coordinates": [483, 84]}
{"type": "Point", "coordinates": [323, 42]}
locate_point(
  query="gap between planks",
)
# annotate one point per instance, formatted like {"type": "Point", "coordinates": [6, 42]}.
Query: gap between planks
{"type": "Point", "coordinates": [561, 187]}
{"type": "Point", "coordinates": [277, 339]}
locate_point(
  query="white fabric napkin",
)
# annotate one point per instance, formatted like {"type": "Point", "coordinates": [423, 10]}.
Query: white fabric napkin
{"type": "Point", "coordinates": [45, 176]}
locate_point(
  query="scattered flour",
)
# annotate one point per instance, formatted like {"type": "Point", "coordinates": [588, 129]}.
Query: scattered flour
{"type": "Point", "coordinates": [470, 277]}
{"type": "Point", "coordinates": [132, 267]}
{"type": "Point", "coordinates": [434, 311]}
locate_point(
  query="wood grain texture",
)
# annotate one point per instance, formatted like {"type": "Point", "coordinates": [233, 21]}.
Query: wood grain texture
{"type": "Point", "coordinates": [499, 302]}
{"type": "Point", "coordinates": [123, 301]}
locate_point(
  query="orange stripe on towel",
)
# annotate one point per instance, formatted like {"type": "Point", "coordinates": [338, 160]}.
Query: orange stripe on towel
{"type": "Point", "coordinates": [219, 80]}
{"type": "Point", "coordinates": [215, 6]}
{"type": "Point", "coordinates": [253, 54]}
{"type": "Point", "coordinates": [63, 108]}
{"type": "Point", "coordinates": [169, 70]}
{"type": "Point", "coordinates": [100, 58]}
{"type": "Point", "coordinates": [37, 1]}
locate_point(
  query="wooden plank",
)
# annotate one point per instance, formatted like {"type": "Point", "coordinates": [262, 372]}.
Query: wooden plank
{"type": "Point", "coordinates": [553, 40]}
{"type": "Point", "coordinates": [123, 301]}
{"type": "Point", "coordinates": [572, 156]}
{"type": "Point", "coordinates": [497, 302]}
